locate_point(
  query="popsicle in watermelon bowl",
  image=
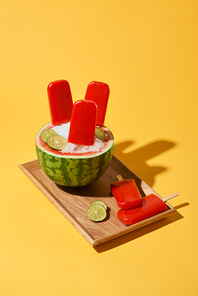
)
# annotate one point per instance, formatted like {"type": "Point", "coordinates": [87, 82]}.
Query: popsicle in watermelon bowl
{"type": "Point", "coordinates": [75, 148]}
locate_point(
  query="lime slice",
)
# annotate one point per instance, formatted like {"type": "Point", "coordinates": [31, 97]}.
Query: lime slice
{"type": "Point", "coordinates": [96, 213]}
{"type": "Point", "coordinates": [100, 134]}
{"type": "Point", "coordinates": [56, 142]}
{"type": "Point", "coordinates": [100, 202]}
{"type": "Point", "coordinates": [46, 133]}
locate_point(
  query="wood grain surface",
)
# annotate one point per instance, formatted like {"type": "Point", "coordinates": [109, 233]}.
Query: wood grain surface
{"type": "Point", "coordinates": [74, 202]}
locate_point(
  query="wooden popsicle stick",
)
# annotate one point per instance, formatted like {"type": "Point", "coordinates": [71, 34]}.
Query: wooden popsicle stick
{"type": "Point", "coordinates": [119, 177]}
{"type": "Point", "coordinates": [170, 196]}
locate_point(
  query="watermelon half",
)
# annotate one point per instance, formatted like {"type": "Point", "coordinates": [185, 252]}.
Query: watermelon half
{"type": "Point", "coordinates": [74, 170]}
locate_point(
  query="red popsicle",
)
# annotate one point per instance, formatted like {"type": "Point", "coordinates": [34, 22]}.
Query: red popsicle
{"type": "Point", "coordinates": [98, 92]}
{"type": "Point", "coordinates": [126, 194]}
{"type": "Point", "coordinates": [83, 122]}
{"type": "Point", "coordinates": [151, 205]}
{"type": "Point", "coordinates": [60, 101]}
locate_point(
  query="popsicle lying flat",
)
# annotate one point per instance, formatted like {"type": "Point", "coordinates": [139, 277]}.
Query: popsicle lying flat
{"type": "Point", "coordinates": [60, 101]}
{"type": "Point", "coordinates": [126, 194]}
{"type": "Point", "coordinates": [151, 205]}
{"type": "Point", "coordinates": [98, 92]}
{"type": "Point", "coordinates": [83, 122]}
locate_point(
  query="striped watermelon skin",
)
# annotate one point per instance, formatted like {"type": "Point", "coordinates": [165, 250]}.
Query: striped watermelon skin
{"type": "Point", "coordinates": [74, 171]}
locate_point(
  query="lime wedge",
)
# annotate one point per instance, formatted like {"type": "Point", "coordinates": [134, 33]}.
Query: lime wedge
{"type": "Point", "coordinates": [46, 133]}
{"type": "Point", "coordinates": [100, 134]}
{"type": "Point", "coordinates": [96, 213]}
{"type": "Point", "coordinates": [100, 202]}
{"type": "Point", "coordinates": [56, 142]}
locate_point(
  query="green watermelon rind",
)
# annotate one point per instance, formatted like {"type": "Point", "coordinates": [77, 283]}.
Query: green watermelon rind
{"type": "Point", "coordinates": [74, 171]}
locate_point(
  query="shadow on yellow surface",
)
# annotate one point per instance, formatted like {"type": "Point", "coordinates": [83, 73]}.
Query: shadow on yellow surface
{"type": "Point", "coordinates": [136, 160]}
{"type": "Point", "coordinates": [141, 231]}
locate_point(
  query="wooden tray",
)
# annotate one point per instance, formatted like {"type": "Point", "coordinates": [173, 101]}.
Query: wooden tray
{"type": "Point", "coordinates": [74, 202]}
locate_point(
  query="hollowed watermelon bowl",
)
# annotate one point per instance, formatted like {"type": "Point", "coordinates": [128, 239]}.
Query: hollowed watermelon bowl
{"type": "Point", "coordinates": [74, 170]}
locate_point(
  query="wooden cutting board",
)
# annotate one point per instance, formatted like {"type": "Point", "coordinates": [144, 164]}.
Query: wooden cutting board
{"type": "Point", "coordinates": [74, 202]}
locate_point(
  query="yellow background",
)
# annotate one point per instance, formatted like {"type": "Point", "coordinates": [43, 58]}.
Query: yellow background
{"type": "Point", "coordinates": [147, 51]}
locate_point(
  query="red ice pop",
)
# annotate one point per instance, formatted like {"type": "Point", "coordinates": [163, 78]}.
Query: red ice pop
{"type": "Point", "coordinates": [126, 194]}
{"type": "Point", "coordinates": [83, 122]}
{"type": "Point", "coordinates": [98, 92]}
{"type": "Point", "coordinates": [151, 205]}
{"type": "Point", "coordinates": [60, 101]}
